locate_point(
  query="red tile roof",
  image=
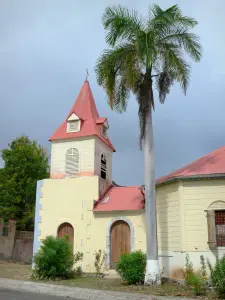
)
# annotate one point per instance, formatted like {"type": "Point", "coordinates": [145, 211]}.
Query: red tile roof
{"type": "Point", "coordinates": [211, 164]}
{"type": "Point", "coordinates": [121, 198]}
{"type": "Point", "coordinates": [85, 108]}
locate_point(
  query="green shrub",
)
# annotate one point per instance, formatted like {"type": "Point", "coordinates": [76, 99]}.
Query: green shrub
{"type": "Point", "coordinates": [55, 259]}
{"type": "Point", "coordinates": [197, 280]}
{"type": "Point", "coordinates": [218, 277]}
{"type": "Point", "coordinates": [131, 267]}
{"type": "Point", "coordinates": [188, 270]}
{"type": "Point", "coordinates": [198, 283]}
{"type": "Point", "coordinates": [100, 257]}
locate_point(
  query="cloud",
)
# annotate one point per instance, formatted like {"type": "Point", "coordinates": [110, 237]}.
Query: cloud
{"type": "Point", "coordinates": [46, 47]}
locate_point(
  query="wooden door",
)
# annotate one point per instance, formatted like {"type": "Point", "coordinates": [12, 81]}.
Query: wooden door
{"type": "Point", "coordinates": [66, 229]}
{"type": "Point", "coordinates": [120, 241]}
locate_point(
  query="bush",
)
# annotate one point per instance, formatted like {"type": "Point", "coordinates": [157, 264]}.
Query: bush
{"type": "Point", "coordinates": [198, 284]}
{"type": "Point", "coordinates": [188, 270]}
{"type": "Point", "coordinates": [131, 267]}
{"type": "Point", "coordinates": [100, 257]}
{"type": "Point", "coordinates": [197, 280]}
{"type": "Point", "coordinates": [218, 277]}
{"type": "Point", "coordinates": [55, 259]}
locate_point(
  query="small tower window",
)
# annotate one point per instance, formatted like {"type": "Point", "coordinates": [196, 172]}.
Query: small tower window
{"type": "Point", "coordinates": [73, 126]}
{"type": "Point", "coordinates": [103, 166]}
{"type": "Point", "coordinates": [72, 162]}
{"type": "Point", "coordinates": [104, 131]}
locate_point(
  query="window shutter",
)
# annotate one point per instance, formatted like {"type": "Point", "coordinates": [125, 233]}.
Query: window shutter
{"type": "Point", "coordinates": [211, 229]}
{"type": "Point", "coordinates": [72, 162]}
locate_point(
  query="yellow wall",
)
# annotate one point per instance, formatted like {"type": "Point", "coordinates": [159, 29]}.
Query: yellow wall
{"type": "Point", "coordinates": [197, 196]}
{"type": "Point", "coordinates": [168, 216]}
{"type": "Point", "coordinates": [71, 200]}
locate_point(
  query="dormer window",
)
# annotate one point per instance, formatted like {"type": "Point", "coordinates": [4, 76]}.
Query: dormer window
{"type": "Point", "coordinates": [104, 131]}
{"type": "Point", "coordinates": [73, 123]}
{"type": "Point", "coordinates": [73, 126]}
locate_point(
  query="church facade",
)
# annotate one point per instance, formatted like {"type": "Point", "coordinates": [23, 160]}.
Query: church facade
{"type": "Point", "coordinates": [81, 200]}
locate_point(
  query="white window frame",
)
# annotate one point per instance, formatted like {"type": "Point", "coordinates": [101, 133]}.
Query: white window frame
{"type": "Point", "coordinates": [72, 122]}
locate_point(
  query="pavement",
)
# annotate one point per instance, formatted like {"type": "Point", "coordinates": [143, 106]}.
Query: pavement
{"type": "Point", "coordinates": [24, 290]}
{"type": "Point", "coordinates": [15, 295]}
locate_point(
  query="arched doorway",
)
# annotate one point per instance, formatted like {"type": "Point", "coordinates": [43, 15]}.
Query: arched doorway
{"type": "Point", "coordinates": [119, 241]}
{"type": "Point", "coordinates": [66, 229]}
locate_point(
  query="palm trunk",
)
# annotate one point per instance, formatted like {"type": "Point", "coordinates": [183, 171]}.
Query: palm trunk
{"type": "Point", "coordinates": [152, 268]}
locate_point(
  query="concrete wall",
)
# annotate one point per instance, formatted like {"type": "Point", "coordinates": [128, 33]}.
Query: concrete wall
{"type": "Point", "coordinates": [7, 242]}
{"type": "Point", "coordinates": [18, 245]}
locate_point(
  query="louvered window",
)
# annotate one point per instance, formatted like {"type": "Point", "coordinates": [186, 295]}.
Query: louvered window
{"type": "Point", "coordinates": [73, 126]}
{"type": "Point", "coordinates": [103, 166]}
{"type": "Point", "coordinates": [104, 131]}
{"type": "Point", "coordinates": [72, 162]}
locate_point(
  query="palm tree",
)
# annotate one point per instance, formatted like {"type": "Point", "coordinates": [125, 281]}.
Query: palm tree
{"type": "Point", "coordinates": [146, 51]}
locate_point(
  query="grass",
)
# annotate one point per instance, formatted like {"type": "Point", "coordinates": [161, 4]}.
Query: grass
{"type": "Point", "coordinates": [23, 272]}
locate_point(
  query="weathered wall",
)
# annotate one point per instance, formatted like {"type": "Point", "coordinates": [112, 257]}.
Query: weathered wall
{"type": "Point", "coordinates": [7, 242]}
{"type": "Point", "coordinates": [17, 245]}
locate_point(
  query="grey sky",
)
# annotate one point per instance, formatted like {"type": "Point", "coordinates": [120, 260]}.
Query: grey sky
{"type": "Point", "coordinates": [45, 47]}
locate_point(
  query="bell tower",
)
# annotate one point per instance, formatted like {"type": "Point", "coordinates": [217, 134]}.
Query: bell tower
{"type": "Point", "coordinates": [80, 146]}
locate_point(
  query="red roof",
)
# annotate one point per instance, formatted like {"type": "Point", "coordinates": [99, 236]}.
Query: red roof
{"type": "Point", "coordinates": [85, 108]}
{"type": "Point", "coordinates": [121, 198]}
{"type": "Point", "coordinates": [208, 165]}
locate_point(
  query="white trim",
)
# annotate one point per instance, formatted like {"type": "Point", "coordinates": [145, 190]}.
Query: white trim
{"type": "Point", "coordinates": [108, 235]}
{"type": "Point", "coordinates": [69, 123]}
{"type": "Point", "coordinates": [73, 117]}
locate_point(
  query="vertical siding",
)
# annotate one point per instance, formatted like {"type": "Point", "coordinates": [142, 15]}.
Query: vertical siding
{"type": "Point", "coordinates": [86, 154]}
{"type": "Point", "coordinates": [100, 148]}
{"type": "Point", "coordinates": [197, 197]}
{"type": "Point", "coordinates": [168, 217]}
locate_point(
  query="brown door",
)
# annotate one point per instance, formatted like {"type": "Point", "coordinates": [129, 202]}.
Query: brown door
{"type": "Point", "coordinates": [66, 229]}
{"type": "Point", "coordinates": [120, 241]}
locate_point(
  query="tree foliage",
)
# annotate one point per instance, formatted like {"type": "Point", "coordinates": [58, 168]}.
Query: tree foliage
{"type": "Point", "coordinates": [26, 162]}
{"type": "Point", "coordinates": [143, 51]}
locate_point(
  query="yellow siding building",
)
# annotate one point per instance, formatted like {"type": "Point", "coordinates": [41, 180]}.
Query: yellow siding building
{"type": "Point", "coordinates": [81, 200]}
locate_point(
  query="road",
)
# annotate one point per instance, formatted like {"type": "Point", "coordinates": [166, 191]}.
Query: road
{"type": "Point", "coordinates": [14, 295]}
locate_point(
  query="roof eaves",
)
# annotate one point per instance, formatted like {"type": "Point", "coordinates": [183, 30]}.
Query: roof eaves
{"type": "Point", "coordinates": [125, 210]}
{"type": "Point", "coordinates": [193, 177]}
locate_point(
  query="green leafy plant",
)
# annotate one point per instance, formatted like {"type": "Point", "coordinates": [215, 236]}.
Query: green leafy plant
{"type": "Point", "coordinates": [196, 279]}
{"type": "Point", "coordinates": [198, 283]}
{"type": "Point", "coordinates": [188, 270]}
{"type": "Point", "coordinates": [203, 269]}
{"type": "Point", "coordinates": [25, 162]}
{"type": "Point", "coordinates": [100, 258]}
{"type": "Point", "coordinates": [218, 276]}
{"type": "Point", "coordinates": [131, 267]}
{"type": "Point", "coordinates": [55, 259]}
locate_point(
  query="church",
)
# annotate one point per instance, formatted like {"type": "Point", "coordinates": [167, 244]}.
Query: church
{"type": "Point", "coordinates": [81, 200]}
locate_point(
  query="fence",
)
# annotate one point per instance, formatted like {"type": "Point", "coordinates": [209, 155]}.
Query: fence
{"type": "Point", "coordinates": [15, 245]}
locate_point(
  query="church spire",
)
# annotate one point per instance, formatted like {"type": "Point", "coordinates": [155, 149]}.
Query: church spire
{"type": "Point", "coordinates": [85, 112]}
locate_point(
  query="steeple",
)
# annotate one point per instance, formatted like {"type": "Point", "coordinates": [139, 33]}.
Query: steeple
{"type": "Point", "coordinates": [84, 111]}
